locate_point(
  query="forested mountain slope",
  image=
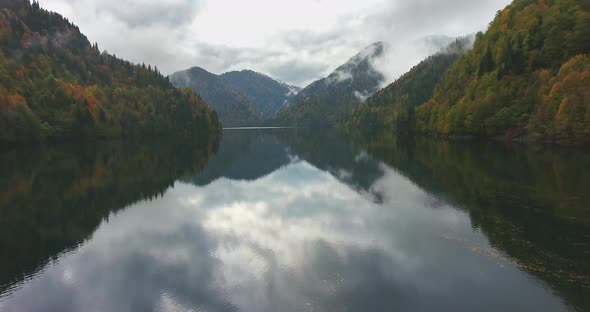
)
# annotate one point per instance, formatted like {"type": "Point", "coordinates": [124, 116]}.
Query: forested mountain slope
{"type": "Point", "coordinates": [242, 98]}
{"type": "Point", "coordinates": [392, 108]}
{"type": "Point", "coordinates": [324, 102]}
{"type": "Point", "coordinates": [527, 77]}
{"type": "Point", "coordinates": [269, 95]}
{"type": "Point", "coordinates": [234, 108]}
{"type": "Point", "coordinates": [54, 84]}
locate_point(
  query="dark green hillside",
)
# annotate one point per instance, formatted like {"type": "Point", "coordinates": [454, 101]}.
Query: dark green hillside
{"type": "Point", "coordinates": [54, 84]}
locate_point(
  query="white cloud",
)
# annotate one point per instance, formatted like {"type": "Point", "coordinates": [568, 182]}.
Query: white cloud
{"type": "Point", "coordinates": [295, 41]}
{"type": "Point", "coordinates": [338, 77]}
{"type": "Point", "coordinates": [362, 96]}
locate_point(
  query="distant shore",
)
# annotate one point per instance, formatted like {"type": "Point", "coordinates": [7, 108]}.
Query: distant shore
{"type": "Point", "coordinates": [256, 128]}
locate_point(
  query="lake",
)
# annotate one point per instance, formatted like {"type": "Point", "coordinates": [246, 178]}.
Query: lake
{"type": "Point", "coordinates": [276, 220]}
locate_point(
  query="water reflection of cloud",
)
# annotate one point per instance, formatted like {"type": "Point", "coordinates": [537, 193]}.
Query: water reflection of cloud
{"type": "Point", "coordinates": [310, 236]}
{"type": "Point", "coordinates": [295, 240]}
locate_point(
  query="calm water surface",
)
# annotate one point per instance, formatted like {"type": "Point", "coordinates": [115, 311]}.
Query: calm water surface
{"type": "Point", "coordinates": [275, 221]}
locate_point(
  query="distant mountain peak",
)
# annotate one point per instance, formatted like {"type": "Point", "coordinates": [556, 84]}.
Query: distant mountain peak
{"type": "Point", "coordinates": [324, 101]}
{"type": "Point", "coordinates": [370, 52]}
{"type": "Point", "coordinates": [359, 66]}
{"type": "Point", "coordinates": [229, 93]}
{"type": "Point", "coordinates": [293, 90]}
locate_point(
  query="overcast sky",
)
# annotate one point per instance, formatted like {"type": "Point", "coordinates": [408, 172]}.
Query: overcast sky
{"type": "Point", "coordinates": [295, 41]}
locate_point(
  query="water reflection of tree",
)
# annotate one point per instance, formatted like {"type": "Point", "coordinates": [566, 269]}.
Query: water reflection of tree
{"type": "Point", "coordinates": [531, 202]}
{"type": "Point", "coordinates": [53, 198]}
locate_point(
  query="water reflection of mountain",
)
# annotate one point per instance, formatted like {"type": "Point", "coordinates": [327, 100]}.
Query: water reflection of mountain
{"type": "Point", "coordinates": [331, 152]}
{"type": "Point", "coordinates": [250, 155]}
{"type": "Point", "coordinates": [245, 155]}
{"type": "Point", "coordinates": [532, 203]}
{"type": "Point", "coordinates": [52, 199]}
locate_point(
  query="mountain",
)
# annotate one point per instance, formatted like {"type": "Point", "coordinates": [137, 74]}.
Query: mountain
{"type": "Point", "coordinates": [527, 78]}
{"type": "Point", "coordinates": [242, 98]}
{"type": "Point", "coordinates": [392, 108]}
{"type": "Point", "coordinates": [55, 85]}
{"type": "Point", "coordinates": [325, 101]}
{"type": "Point", "coordinates": [234, 108]}
{"type": "Point", "coordinates": [269, 95]}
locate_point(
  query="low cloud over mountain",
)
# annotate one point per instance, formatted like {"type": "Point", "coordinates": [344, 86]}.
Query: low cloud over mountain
{"type": "Point", "coordinates": [297, 42]}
